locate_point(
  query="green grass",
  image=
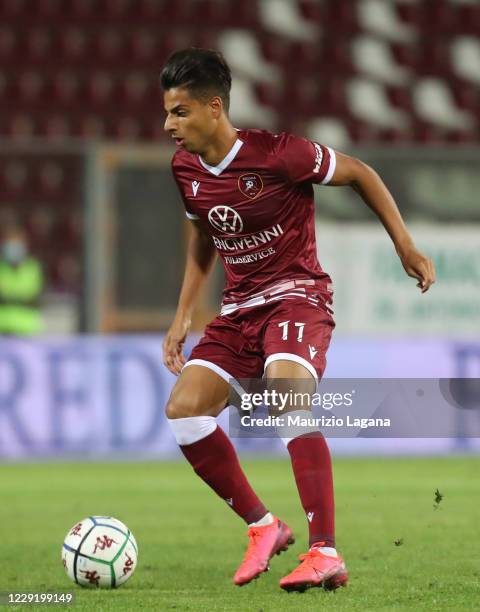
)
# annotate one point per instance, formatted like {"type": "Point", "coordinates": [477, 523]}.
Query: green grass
{"type": "Point", "coordinates": [190, 542]}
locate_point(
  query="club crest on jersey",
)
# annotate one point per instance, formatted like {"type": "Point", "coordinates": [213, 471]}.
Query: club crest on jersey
{"type": "Point", "coordinates": [251, 185]}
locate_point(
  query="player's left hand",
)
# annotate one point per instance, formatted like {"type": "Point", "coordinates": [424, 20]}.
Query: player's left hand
{"type": "Point", "coordinates": [418, 266]}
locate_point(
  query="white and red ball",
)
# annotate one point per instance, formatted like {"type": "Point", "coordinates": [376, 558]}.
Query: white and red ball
{"type": "Point", "coordinates": [100, 551]}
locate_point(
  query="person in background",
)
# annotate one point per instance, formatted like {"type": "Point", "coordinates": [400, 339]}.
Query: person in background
{"type": "Point", "coordinates": [21, 285]}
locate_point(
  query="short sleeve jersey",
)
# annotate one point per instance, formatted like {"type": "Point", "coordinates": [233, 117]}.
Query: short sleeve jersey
{"type": "Point", "coordinates": [258, 207]}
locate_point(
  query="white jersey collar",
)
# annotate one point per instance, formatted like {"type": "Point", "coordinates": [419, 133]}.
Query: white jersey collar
{"type": "Point", "coordinates": [217, 170]}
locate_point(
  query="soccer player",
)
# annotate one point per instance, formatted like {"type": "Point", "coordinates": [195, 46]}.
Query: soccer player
{"type": "Point", "coordinates": [249, 196]}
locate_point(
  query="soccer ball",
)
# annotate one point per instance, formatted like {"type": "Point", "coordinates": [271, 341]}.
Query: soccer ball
{"type": "Point", "coordinates": [100, 551]}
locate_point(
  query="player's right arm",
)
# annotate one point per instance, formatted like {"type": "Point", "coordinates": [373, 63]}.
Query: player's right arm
{"type": "Point", "coordinates": [201, 254]}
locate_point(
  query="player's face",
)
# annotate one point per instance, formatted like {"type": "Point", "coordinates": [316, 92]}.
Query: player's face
{"type": "Point", "coordinates": [190, 121]}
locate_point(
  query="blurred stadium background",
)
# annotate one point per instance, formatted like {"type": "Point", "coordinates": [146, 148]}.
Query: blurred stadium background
{"type": "Point", "coordinates": [85, 169]}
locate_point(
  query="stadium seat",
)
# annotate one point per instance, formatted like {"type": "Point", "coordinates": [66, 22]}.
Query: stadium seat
{"type": "Point", "coordinates": [330, 131]}
{"type": "Point", "coordinates": [55, 127]}
{"type": "Point", "coordinates": [245, 110]}
{"type": "Point", "coordinates": [21, 127]}
{"type": "Point", "coordinates": [426, 133]}
{"type": "Point", "coordinates": [405, 54]}
{"type": "Point", "coordinates": [90, 126]}
{"type": "Point", "coordinates": [107, 48]}
{"type": "Point", "coordinates": [400, 97]}
{"type": "Point", "coordinates": [301, 100]}
{"type": "Point", "coordinates": [149, 11]}
{"type": "Point", "coordinates": [74, 45]}
{"type": "Point", "coordinates": [269, 95]}
{"type": "Point", "coordinates": [30, 87]}
{"type": "Point", "coordinates": [334, 57]}
{"type": "Point", "coordinates": [408, 12]}
{"type": "Point", "coordinates": [4, 89]}
{"type": "Point", "coordinates": [243, 53]}
{"type": "Point", "coordinates": [301, 57]}
{"type": "Point", "coordinates": [50, 179]}
{"type": "Point", "coordinates": [462, 137]}
{"type": "Point", "coordinates": [468, 20]}
{"type": "Point", "coordinates": [12, 9]}
{"type": "Point", "coordinates": [285, 19]}
{"type": "Point", "coordinates": [8, 45]}
{"type": "Point", "coordinates": [465, 55]}
{"type": "Point", "coordinates": [372, 57]}
{"type": "Point", "coordinates": [8, 216]}
{"type": "Point", "coordinates": [134, 91]}
{"type": "Point", "coordinates": [82, 10]}
{"type": "Point", "coordinates": [368, 102]}
{"type": "Point", "coordinates": [362, 132]}
{"type": "Point", "coordinates": [244, 14]}
{"type": "Point", "coordinates": [38, 45]}
{"type": "Point", "coordinates": [467, 96]}
{"type": "Point", "coordinates": [274, 49]}
{"type": "Point", "coordinates": [65, 87]}
{"type": "Point", "coordinates": [127, 128]}
{"type": "Point", "coordinates": [393, 136]}
{"type": "Point", "coordinates": [332, 99]}
{"type": "Point", "coordinates": [67, 230]}
{"type": "Point", "coordinates": [46, 9]}
{"type": "Point", "coordinates": [311, 10]}
{"type": "Point", "coordinates": [180, 13]}
{"type": "Point", "coordinates": [433, 59]}
{"type": "Point", "coordinates": [205, 38]}
{"type": "Point", "coordinates": [153, 129]}
{"type": "Point", "coordinates": [100, 90]}
{"type": "Point", "coordinates": [39, 224]}
{"type": "Point", "coordinates": [380, 18]}
{"type": "Point", "coordinates": [65, 270]}
{"type": "Point", "coordinates": [435, 104]}
{"type": "Point", "coordinates": [15, 179]}
{"type": "Point", "coordinates": [212, 13]}
{"type": "Point", "coordinates": [118, 10]}
{"type": "Point", "coordinates": [339, 18]}
{"type": "Point", "coordinates": [142, 46]}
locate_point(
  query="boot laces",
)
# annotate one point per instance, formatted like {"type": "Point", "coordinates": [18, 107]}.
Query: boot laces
{"type": "Point", "coordinates": [309, 558]}
{"type": "Point", "coordinates": [253, 534]}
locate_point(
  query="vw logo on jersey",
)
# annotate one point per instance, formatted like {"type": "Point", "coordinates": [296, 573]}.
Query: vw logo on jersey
{"type": "Point", "coordinates": [251, 185]}
{"type": "Point", "coordinates": [225, 219]}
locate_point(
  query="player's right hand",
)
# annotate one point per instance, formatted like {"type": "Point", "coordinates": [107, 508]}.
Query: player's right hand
{"type": "Point", "coordinates": [173, 357]}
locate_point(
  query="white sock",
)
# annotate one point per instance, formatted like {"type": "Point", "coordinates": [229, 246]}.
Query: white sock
{"type": "Point", "coordinates": [189, 430]}
{"type": "Point", "coordinates": [265, 520]}
{"type": "Point", "coordinates": [328, 550]}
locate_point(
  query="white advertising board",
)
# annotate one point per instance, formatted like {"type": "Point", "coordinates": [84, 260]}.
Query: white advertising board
{"type": "Point", "coordinates": [104, 397]}
{"type": "Point", "coordinates": [373, 295]}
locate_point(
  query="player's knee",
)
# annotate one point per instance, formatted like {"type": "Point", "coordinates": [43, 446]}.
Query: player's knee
{"type": "Point", "coordinates": [182, 405]}
{"type": "Point", "coordinates": [177, 409]}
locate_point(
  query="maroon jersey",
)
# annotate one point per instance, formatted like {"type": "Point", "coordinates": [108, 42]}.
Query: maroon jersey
{"type": "Point", "coordinates": [258, 207]}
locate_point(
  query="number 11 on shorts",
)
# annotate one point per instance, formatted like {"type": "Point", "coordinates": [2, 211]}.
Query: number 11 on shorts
{"type": "Point", "coordinates": [297, 324]}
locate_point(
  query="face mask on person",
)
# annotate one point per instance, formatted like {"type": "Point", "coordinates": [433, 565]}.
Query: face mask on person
{"type": "Point", "coordinates": [13, 251]}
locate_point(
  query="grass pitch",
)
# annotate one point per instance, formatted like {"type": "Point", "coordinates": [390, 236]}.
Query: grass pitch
{"type": "Point", "coordinates": [190, 543]}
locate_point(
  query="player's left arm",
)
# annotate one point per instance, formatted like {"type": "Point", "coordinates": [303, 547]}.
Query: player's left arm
{"type": "Point", "coordinates": [373, 191]}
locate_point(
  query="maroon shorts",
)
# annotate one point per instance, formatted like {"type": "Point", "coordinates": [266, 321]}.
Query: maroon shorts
{"type": "Point", "coordinates": [242, 344]}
